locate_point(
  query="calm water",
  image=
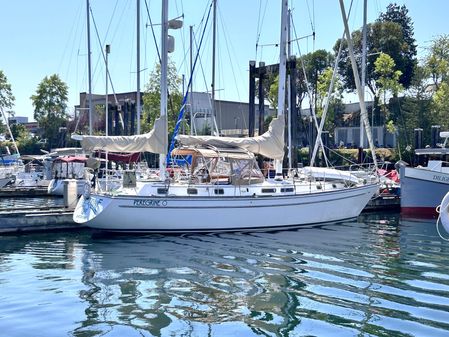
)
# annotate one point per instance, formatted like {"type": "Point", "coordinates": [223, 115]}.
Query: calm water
{"type": "Point", "coordinates": [51, 201]}
{"type": "Point", "coordinates": [378, 276]}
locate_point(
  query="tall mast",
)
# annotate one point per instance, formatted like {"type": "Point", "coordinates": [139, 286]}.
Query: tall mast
{"type": "Point", "coordinates": [107, 50]}
{"type": "Point", "coordinates": [191, 81]}
{"type": "Point", "coordinates": [214, 36]}
{"type": "Point", "coordinates": [138, 66]}
{"type": "Point", "coordinates": [363, 69]}
{"type": "Point", "coordinates": [289, 127]}
{"type": "Point", "coordinates": [89, 67]}
{"type": "Point", "coordinates": [357, 83]}
{"type": "Point", "coordinates": [164, 60]}
{"type": "Point", "coordinates": [10, 132]}
{"type": "Point", "coordinates": [282, 73]}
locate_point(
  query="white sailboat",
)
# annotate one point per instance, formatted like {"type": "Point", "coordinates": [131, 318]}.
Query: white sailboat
{"type": "Point", "coordinates": [222, 188]}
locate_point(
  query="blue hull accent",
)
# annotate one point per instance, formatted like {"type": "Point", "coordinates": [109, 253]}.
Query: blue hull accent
{"type": "Point", "coordinates": [422, 188]}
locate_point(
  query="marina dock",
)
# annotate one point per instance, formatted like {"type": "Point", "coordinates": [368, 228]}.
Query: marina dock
{"type": "Point", "coordinates": [23, 192]}
{"type": "Point", "coordinates": [28, 219]}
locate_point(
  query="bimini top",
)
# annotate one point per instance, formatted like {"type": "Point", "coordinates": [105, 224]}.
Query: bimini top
{"type": "Point", "coordinates": [234, 153]}
{"type": "Point", "coordinates": [71, 159]}
{"type": "Point", "coordinates": [154, 141]}
{"type": "Point", "coordinates": [270, 144]}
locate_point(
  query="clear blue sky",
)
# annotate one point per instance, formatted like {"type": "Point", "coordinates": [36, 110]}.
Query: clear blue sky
{"type": "Point", "coordinates": [41, 38]}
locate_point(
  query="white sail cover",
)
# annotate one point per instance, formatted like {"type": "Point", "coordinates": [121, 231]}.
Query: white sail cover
{"type": "Point", "coordinates": [270, 144]}
{"type": "Point", "coordinates": [153, 141]}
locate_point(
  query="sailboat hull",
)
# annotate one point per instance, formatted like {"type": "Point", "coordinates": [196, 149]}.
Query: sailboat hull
{"type": "Point", "coordinates": [422, 190]}
{"type": "Point", "coordinates": [173, 214]}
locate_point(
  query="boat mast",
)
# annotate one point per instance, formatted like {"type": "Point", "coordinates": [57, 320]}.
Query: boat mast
{"type": "Point", "coordinates": [289, 117]}
{"type": "Point", "coordinates": [107, 51]}
{"type": "Point", "coordinates": [138, 66]}
{"type": "Point", "coordinates": [89, 67]}
{"type": "Point", "coordinates": [214, 36]}
{"type": "Point", "coordinates": [282, 74]}
{"type": "Point", "coordinates": [164, 60]}
{"type": "Point", "coordinates": [10, 132]}
{"type": "Point", "coordinates": [357, 83]}
{"type": "Point", "coordinates": [363, 69]}
{"type": "Point", "coordinates": [191, 81]}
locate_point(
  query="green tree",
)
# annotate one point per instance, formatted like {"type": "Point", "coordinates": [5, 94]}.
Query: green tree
{"type": "Point", "coordinates": [437, 66]}
{"type": "Point", "coordinates": [412, 111]}
{"type": "Point", "coordinates": [272, 96]}
{"type": "Point", "coordinates": [26, 143]}
{"type": "Point", "coordinates": [387, 82]}
{"type": "Point", "coordinates": [405, 61]}
{"type": "Point", "coordinates": [388, 77]}
{"type": "Point", "coordinates": [382, 37]}
{"type": "Point", "coordinates": [152, 98]}
{"type": "Point", "coordinates": [437, 61]}
{"type": "Point", "coordinates": [18, 130]}
{"type": "Point", "coordinates": [315, 64]}
{"type": "Point", "coordinates": [392, 34]}
{"type": "Point", "coordinates": [6, 98]}
{"type": "Point", "coordinates": [309, 68]}
{"type": "Point", "coordinates": [335, 99]}
{"type": "Point", "coordinates": [440, 105]}
{"type": "Point", "coordinates": [50, 105]}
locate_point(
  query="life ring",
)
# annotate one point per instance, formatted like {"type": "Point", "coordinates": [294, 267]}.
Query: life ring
{"type": "Point", "coordinates": [443, 210]}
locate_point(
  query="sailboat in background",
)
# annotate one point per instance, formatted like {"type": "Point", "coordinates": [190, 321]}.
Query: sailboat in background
{"type": "Point", "coordinates": [221, 187]}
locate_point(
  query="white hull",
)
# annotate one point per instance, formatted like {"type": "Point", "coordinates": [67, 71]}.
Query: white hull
{"type": "Point", "coordinates": [31, 179]}
{"type": "Point", "coordinates": [5, 181]}
{"type": "Point", "coordinates": [175, 214]}
{"type": "Point", "coordinates": [56, 186]}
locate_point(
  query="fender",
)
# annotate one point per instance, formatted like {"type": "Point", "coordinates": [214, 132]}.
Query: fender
{"type": "Point", "coordinates": [443, 210]}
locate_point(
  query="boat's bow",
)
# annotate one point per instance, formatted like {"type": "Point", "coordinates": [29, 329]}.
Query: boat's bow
{"type": "Point", "coordinates": [89, 207]}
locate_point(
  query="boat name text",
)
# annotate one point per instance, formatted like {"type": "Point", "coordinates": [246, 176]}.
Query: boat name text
{"type": "Point", "coordinates": [150, 203]}
{"type": "Point", "coordinates": [441, 178]}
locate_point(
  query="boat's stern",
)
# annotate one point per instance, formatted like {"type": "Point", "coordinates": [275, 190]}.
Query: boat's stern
{"type": "Point", "coordinates": [88, 208]}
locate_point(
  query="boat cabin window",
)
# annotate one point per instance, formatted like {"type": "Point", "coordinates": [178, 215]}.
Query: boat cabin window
{"type": "Point", "coordinates": [192, 191]}
{"type": "Point", "coordinates": [219, 191]}
{"type": "Point", "coordinates": [246, 171]}
{"type": "Point", "coordinates": [200, 169]}
{"type": "Point", "coordinates": [162, 190]}
{"type": "Point", "coordinates": [222, 169]}
{"type": "Point", "coordinates": [65, 170]}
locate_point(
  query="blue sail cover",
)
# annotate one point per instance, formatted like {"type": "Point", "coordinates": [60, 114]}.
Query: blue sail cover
{"type": "Point", "coordinates": [169, 160]}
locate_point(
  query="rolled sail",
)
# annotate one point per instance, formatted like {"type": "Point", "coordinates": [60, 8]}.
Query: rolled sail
{"type": "Point", "coordinates": [270, 144]}
{"type": "Point", "coordinates": [153, 141]}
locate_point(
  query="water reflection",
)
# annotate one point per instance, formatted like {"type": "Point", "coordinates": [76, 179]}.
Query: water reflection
{"type": "Point", "coordinates": [31, 202]}
{"type": "Point", "coordinates": [378, 276]}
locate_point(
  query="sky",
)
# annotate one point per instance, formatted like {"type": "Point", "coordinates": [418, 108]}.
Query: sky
{"type": "Point", "coordinates": [45, 37]}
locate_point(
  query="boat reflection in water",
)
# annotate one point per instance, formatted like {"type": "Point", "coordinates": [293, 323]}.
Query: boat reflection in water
{"type": "Point", "coordinates": [373, 277]}
{"type": "Point", "coordinates": [378, 276]}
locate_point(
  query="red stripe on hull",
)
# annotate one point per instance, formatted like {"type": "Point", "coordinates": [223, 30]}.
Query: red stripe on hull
{"type": "Point", "coordinates": [419, 212]}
